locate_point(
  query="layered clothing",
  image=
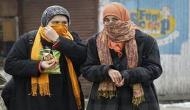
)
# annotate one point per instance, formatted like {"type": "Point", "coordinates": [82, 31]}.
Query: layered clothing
{"type": "Point", "coordinates": [122, 46]}
{"type": "Point", "coordinates": [38, 90]}
{"type": "Point", "coordinates": [147, 70]}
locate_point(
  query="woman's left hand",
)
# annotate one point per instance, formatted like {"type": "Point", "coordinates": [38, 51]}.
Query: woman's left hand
{"type": "Point", "coordinates": [119, 84]}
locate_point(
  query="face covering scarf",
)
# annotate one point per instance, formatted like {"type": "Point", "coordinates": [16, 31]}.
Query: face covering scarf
{"type": "Point", "coordinates": [120, 31]}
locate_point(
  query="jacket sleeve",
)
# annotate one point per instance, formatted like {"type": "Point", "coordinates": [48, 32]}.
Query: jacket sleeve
{"type": "Point", "coordinates": [18, 62]}
{"type": "Point", "coordinates": [75, 50]}
{"type": "Point", "coordinates": [149, 69]}
{"type": "Point", "coordinates": [92, 70]}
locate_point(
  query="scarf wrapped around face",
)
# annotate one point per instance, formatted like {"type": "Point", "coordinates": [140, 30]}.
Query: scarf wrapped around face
{"type": "Point", "coordinates": [41, 84]}
{"type": "Point", "coordinates": [120, 31]}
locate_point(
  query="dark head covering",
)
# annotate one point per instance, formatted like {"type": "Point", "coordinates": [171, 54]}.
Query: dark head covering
{"type": "Point", "coordinates": [52, 11]}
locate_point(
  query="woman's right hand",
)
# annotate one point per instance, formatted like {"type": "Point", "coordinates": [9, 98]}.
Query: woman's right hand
{"type": "Point", "coordinates": [51, 34]}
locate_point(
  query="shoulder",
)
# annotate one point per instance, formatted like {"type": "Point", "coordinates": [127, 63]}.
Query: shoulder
{"type": "Point", "coordinates": [76, 36]}
{"type": "Point", "coordinates": [144, 38]}
{"type": "Point", "coordinates": [26, 38]}
{"type": "Point", "coordinates": [24, 42]}
{"type": "Point", "coordinates": [147, 42]}
{"type": "Point", "coordinates": [93, 38]}
{"type": "Point", "coordinates": [77, 39]}
{"type": "Point", "coordinates": [28, 35]}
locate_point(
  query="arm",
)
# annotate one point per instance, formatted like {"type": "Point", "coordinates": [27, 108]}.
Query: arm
{"type": "Point", "coordinates": [75, 50]}
{"type": "Point", "coordinates": [150, 68]}
{"type": "Point", "coordinates": [92, 70]}
{"type": "Point", "coordinates": [18, 62]}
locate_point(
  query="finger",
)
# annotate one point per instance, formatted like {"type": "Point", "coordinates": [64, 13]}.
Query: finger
{"type": "Point", "coordinates": [46, 65]}
{"type": "Point", "coordinates": [118, 76]}
{"type": "Point", "coordinates": [115, 77]}
{"type": "Point", "coordinates": [46, 28]}
{"type": "Point", "coordinates": [50, 28]}
{"type": "Point", "coordinates": [112, 77]}
{"type": "Point", "coordinates": [51, 61]}
{"type": "Point", "coordinates": [53, 65]}
{"type": "Point", "coordinates": [121, 83]}
{"type": "Point", "coordinates": [110, 72]}
{"type": "Point", "coordinates": [117, 85]}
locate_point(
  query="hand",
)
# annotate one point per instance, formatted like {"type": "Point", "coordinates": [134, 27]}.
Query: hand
{"type": "Point", "coordinates": [121, 83]}
{"type": "Point", "coordinates": [51, 34]}
{"type": "Point", "coordinates": [115, 76]}
{"type": "Point", "coordinates": [48, 64]}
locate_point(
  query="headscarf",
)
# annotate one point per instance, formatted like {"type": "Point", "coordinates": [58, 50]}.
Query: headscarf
{"type": "Point", "coordinates": [119, 31]}
{"type": "Point", "coordinates": [40, 85]}
{"type": "Point", "coordinates": [116, 9]}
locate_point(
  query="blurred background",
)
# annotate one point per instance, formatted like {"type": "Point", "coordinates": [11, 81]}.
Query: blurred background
{"type": "Point", "coordinates": [165, 20]}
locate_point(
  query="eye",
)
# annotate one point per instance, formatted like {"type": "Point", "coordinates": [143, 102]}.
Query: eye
{"type": "Point", "coordinates": [115, 19]}
{"type": "Point", "coordinates": [64, 22]}
{"type": "Point", "coordinates": [55, 22]}
{"type": "Point", "coordinates": [106, 20]}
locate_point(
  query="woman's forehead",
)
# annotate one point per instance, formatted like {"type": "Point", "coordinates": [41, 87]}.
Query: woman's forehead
{"type": "Point", "coordinates": [59, 18]}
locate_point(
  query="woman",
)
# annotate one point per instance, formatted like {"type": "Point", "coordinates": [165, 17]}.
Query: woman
{"type": "Point", "coordinates": [44, 65]}
{"type": "Point", "coordinates": [122, 62]}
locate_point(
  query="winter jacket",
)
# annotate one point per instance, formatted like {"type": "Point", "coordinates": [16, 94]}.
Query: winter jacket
{"type": "Point", "coordinates": [148, 69]}
{"type": "Point", "coordinates": [22, 68]}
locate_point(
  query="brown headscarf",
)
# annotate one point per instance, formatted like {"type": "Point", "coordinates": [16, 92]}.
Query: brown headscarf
{"type": "Point", "coordinates": [117, 10]}
{"type": "Point", "coordinates": [120, 31]}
